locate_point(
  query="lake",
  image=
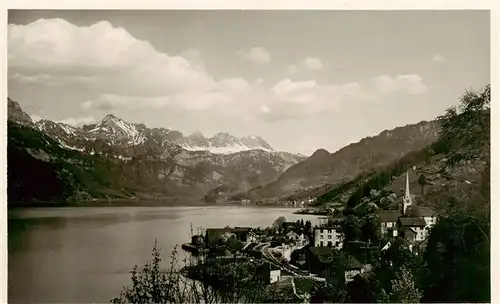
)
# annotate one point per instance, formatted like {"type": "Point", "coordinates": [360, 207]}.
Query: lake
{"type": "Point", "coordinates": [85, 254]}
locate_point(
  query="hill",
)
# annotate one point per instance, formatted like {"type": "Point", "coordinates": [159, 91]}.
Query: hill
{"type": "Point", "coordinates": [453, 168]}
{"type": "Point", "coordinates": [368, 154]}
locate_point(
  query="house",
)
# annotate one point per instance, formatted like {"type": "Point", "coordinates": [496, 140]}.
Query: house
{"type": "Point", "coordinates": [388, 220]}
{"type": "Point", "coordinates": [298, 239]}
{"type": "Point", "coordinates": [430, 216]}
{"type": "Point", "coordinates": [292, 235]}
{"type": "Point", "coordinates": [413, 217]}
{"type": "Point", "coordinates": [274, 273]}
{"type": "Point", "coordinates": [408, 234]}
{"type": "Point", "coordinates": [288, 226]}
{"type": "Point", "coordinates": [242, 233]}
{"type": "Point", "coordinates": [328, 236]}
{"type": "Point", "coordinates": [323, 220]}
{"type": "Point", "coordinates": [352, 268]}
{"type": "Point", "coordinates": [318, 260]}
{"type": "Point", "coordinates": [214, 236]}
{"type": "Point", "coordinates": [408, 225]}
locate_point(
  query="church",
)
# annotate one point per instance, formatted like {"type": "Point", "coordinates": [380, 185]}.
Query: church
{"type": "Point", "coordinates": [412, 222]}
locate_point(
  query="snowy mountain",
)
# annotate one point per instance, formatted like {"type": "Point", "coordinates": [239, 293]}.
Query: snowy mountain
{"type": "Point", "coordinates": [223, 143]}
{"type": "Point", "coordinates": [162, 159]}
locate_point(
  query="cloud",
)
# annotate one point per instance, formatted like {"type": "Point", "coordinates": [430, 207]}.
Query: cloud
{"type": "Point", "coordinates": [438, 58]}
{"type": "Point", "coordinates": [312, 63]}
{"type": "Point", "coordinates": [308, 63]}
{"type": "Point", "coordinates": [101, 56]}
{"type": "Point", "coordinates": [411, 83]}
{"type": "Point", "coordinates": [86, 105]}
{"type": "Point", "coordinates": [121, 72]}
{"type": "Point", "coordinates": [34, 79]}
{"type": "Point", "coordinates": [78, 121]}
{"type": "Point", "coordinates": [257, 55]}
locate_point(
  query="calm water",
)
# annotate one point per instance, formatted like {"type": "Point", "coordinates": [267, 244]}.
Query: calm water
{"type": "Point", "coordinates": [85, 254]}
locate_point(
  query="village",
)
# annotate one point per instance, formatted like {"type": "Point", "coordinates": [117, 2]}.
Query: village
{"type": "Point", "coordinates": [300, 254]}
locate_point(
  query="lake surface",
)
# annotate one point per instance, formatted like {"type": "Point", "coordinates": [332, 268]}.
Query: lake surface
{"type": "Point", "coordinates": [85, 254]}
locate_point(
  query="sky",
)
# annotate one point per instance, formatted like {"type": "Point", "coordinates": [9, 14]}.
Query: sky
{"type": "Point", "coordinates": [301, 80]}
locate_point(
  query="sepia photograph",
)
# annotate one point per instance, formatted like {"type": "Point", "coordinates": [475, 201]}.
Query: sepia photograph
{"type": "Point", "coordinates": [248, 156]}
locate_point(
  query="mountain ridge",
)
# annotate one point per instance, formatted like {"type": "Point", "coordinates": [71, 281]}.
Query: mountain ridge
{"type": "Point", "coordinates": [367, 154]}
{"type": "Point", "coordinates": [150, 157]}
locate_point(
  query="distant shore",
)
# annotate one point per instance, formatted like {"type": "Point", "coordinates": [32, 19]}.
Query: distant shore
{"type": "Point", "coordinates": [163, 202]}
{"type": "Point", "coordinates": [311, 212]}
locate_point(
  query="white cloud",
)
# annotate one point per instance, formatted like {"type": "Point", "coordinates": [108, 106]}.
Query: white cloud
{"type": "Point", "coordinates": [308, 63]}
{"type": "Point", "coordinates": [33, 79]}
{"type": "Point", "coordinates": [257, 55]}
{"type": "Point", "coordinates": [125, 73]}
{"type": "Point", "coordinates": [86, 105]}
{"type": "Point", "coordinates": [100, 55]}
{"type": "Point", "coordinates": [79, 121]}
{"type": "Point", "coordinates": [411, 83]}
{"type": "Point", "coordinates": [438, 57]}
{"type": "Point", "coordinates": [286, 86]}
{"type": "Point", "coordinates": [312, 63]}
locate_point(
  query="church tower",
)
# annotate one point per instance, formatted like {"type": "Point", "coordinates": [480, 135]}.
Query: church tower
{"type": "Point", "coordinates": [407, 202]}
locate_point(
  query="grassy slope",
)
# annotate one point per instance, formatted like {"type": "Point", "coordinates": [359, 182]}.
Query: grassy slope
{"type": "Point", "coordinates": [40, 170]}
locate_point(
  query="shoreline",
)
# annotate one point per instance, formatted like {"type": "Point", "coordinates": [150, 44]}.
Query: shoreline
{"type": "Point", "coordinates": [311, 212]}
{"type": "Point", "coordinates": [138, 203]}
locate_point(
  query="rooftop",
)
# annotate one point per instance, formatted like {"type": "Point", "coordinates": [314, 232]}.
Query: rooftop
{"type": "Point", "coordinates": [389, 216]}
{"type": "Point", "coordinates": [412, 221]}
{"type": "Point", "coordinates": [352, 263]}
{"type": "Point", "coordinates": [323, 253]}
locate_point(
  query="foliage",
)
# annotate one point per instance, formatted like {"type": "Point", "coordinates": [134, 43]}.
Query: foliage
{"type": "Point", "coordinates": [422, 182]}
{"type": "Point", "coordinates": [352, 228]}
{"type": "Point", "coordinates": [328, 293]}
{"type": "Point", "coordinates": [468, 125]}
{"type": "Point", "coordinates": [404, 289]}
{"type": "Point", "coordinates": [212, 281]}
{"type": "Point", "coordinates": [458, 260]}
{"type": "Point", "coordinates": [278, 223]}
{"type": "Point", "coordinates": [370, 229]}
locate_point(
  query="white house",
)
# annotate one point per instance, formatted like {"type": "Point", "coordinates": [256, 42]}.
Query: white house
{"type": "Point", "coordinates": [414, 224]}
{"type": "Point", "coordinates": [274, 274]}
{"type": "Point", "coordinates": [328, 236]}
{"type": "Point", "coordinates": [352, 268]}
{"type": "Point", "coordinates": [388, 220]}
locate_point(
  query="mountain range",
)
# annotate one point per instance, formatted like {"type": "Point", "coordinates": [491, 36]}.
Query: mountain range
{"type": "Point", "coordinates": [370, 153]}
{"type": "Point", "coordinates": [118, 159]}
{"type": "Point", "coordinates": [156, 158]}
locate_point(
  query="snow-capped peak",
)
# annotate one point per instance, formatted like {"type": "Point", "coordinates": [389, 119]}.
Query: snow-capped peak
{"type": "Point", "coordinates": [118, 130]}
{"type": "Point", "coordinates": [223, 143]}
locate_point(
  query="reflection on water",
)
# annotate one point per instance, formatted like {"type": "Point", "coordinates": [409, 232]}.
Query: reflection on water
{"type": "Point", "coordinates": [86, 254]}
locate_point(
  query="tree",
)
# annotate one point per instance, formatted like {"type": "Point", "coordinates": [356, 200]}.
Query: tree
{"type": "Point", "coordinates": [207, 281]}
{"type": "Point", "coordinates": [278, 223]}
{"type": "Point", "coordinates": [352, 228]}
{"type": "Point", "coordinates": [370, 229]}
{"type": "Point", "coordinates": [422, 182]}
{"type": "Point", "coordinates": [404, 289]}
{"type": "Point", "coordinates": [468, 125]}
{"type": "Point", "coordinates": [458, 249]}
{"type": "Point", "coordinates": [234, 245]}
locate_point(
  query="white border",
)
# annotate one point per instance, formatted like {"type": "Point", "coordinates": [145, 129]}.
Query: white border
{"type": "Point", "coordinates": [265, 5]}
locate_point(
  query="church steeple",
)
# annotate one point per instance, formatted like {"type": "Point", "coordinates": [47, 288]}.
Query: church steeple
{"type": "Point", "coordinates": [407, 193]}
{"type": "Point", "coordinates": [407, 198]}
